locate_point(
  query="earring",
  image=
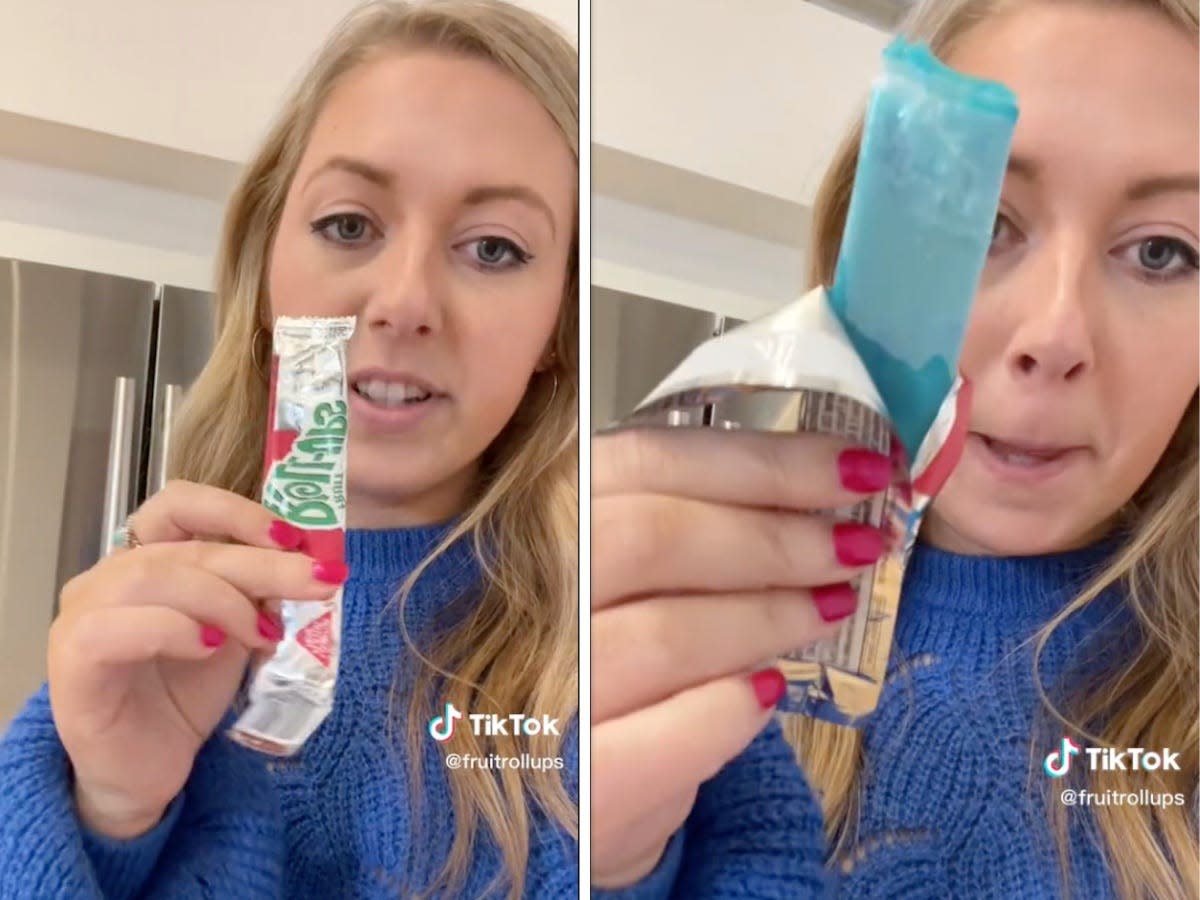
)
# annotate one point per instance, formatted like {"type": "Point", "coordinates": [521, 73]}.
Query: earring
{"type": "Point", "coordinates": [254, 344]}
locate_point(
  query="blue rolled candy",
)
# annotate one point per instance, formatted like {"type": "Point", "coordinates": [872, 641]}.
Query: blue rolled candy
{"type": "Point", "coordinates": [930, 169]}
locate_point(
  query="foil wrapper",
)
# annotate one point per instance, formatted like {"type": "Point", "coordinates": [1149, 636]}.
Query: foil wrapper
{"type": "Point", "coordinates": [291, 692]}
{"type": "Point", "coordinates": [797, 371]}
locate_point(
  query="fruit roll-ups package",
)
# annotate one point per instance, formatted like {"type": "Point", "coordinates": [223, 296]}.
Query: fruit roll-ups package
{"type": "Point", "coordinates": [874, 358]}
{"type": "Point", "coordinates": [291, 692]}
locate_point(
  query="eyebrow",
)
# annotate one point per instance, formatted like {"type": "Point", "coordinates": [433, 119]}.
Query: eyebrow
{"type": "Point", "coordinates": [1142, 189]}
{"type": "Point", "coordinates": [354, 167]}
{"type": "Point", "coordinates": [1163, 184]}
{"type": "Point", "coordinates": [1024, 166]}
{"type": "Point", "coordinates": [518, 192]}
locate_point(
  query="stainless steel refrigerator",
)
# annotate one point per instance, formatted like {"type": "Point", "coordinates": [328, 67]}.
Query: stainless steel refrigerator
{"type": "Point", "coordinates": [636, 343]}
{"type": "Point", "coordinates": [92, 371]}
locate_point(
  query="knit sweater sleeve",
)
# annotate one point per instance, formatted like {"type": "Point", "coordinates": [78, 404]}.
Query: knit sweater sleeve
{"type": "Point", "coordinates": [755, 832]}
{"type": "Point", "coordinates": [222, 837]}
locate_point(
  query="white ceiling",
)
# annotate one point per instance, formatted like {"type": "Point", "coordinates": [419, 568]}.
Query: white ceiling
{"type": "Point", "coordinates": [755, 94]}
{"type": "Point", "coordinates": [205, 77]}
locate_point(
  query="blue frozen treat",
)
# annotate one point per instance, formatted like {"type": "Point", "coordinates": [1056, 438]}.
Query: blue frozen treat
{"type": "Point", "coordinates": [934, 152]}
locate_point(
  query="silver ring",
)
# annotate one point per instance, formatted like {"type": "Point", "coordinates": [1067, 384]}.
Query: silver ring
{"type": "Point", "coordinates": [125, 537]}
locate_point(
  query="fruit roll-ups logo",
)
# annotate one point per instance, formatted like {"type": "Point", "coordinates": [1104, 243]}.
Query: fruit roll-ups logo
{"type": "Point", "coordinates": [306, 487]}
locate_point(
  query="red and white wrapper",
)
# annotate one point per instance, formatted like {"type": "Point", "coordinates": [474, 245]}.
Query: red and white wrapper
{"type": "Point", "coordinates": [797, 371]}
{"type": "Point", "coordinates": [291, 692]}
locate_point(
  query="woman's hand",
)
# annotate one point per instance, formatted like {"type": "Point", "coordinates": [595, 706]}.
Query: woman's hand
{"type": "Point", "coordinates": [151, 644]}
{"type": "Point", "coordinates": [707, 562]}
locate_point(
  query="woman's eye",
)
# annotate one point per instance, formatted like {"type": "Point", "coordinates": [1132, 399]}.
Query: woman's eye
{"type": "Point", "coordinates": [1003, 233]}
{"type": "Point", "coordinates": [497, 253]}
{"type": "Point", "coordinates": [343, 228]}
{"type": "Point", "coordinates": [1161, 258]}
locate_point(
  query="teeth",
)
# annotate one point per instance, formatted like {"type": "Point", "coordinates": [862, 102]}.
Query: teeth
{"type": "Point", "coordinates": [1019, 457]}
{"type": "Point", "coordinates": [391, 393]}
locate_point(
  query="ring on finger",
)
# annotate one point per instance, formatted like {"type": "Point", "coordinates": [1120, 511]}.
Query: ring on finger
{"type": "Point", "coordinates": [125, 537]}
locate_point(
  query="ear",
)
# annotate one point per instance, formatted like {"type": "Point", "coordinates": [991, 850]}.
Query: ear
{"type": "Point", "coordinates": [549, 358]}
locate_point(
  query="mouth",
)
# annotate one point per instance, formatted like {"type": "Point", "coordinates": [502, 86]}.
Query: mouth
{"type": "Point", "coordinates": [1018, 454]}
{"type": "Point", "coordinates": [387, 390]}
{"type": "Point", "coordinates": [1026, 458]}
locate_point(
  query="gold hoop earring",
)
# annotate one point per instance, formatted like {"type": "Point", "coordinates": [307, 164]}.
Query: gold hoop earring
{"type": "Point", "coordinates": [254, 344]}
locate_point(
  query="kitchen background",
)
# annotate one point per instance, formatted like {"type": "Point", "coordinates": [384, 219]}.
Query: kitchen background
{"type": "Point", "coordinates": [713, 121]}
{"type": "Point", "coordinates": [123, 126]}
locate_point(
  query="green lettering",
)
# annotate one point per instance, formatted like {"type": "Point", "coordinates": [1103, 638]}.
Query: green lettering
{"type": "Point", "coordinates": [313, 514]}
{"type": "Point", "coordinates": [331, 415]}
{"type": "Point", "coordinates": [297, 470]}
{"type": "Point", "coordinates": [319, 444]}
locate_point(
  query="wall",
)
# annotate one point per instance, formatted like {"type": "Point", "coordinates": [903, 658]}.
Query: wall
{"type": "Point", "coordinates": [204, 78]}
{"type": "Point", "coordinates": [717, 126]}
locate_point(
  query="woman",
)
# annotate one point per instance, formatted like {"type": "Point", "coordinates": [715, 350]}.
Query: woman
{"type": "Point", "coordinates": [1054, 588]}
{"type": "Point", "coordinates": [423, 179]}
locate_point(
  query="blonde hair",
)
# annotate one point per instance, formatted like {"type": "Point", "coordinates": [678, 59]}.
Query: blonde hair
{"type": "Point", "coordinates": [1149, 698]}
{"type": "Point", "coordinates": [516, 649]}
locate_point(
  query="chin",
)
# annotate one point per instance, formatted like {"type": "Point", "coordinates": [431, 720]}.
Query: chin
{"type": "Point", "coordinates": [412, 493]}
{"type": "Point", "coordinates": [979, 530]}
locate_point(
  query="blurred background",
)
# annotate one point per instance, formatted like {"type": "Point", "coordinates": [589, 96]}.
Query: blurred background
{"type": "Point", "coordinates": [713, 122]}
{"type": "Point", "coordinates": [123, 127]}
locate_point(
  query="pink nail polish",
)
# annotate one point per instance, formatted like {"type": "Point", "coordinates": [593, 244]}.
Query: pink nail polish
{"type": "Point", "coordinates": [857, 545]}
{"type": "Point", "coordinates": [769, 687]}
{"type": "Point", "coordinates": [835, 601]}
{"type": "Point", "coordinates": [285, 534]}
{"type": "Point", "coordinates": [330, 571]}
{"type": "Point", "coordinates": [863, 470]}
{"type": "Point", "coordinates": [211, 636]}
{"type": "Point", "coordinates": [269, 628]}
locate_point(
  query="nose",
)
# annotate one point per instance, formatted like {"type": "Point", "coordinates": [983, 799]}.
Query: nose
{"type": "Point", "coordinates": [407, 293]}
{"type": "Point", "coordinates": [1053, 338]}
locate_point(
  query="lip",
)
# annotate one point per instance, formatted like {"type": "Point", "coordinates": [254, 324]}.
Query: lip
{"type": "Point", "coordinates": [1068, 456]}
{"type": "Point", "coordinates": [1028, 446]}
{"type": "Point", "coordinates": [378, 374]}
{"type": "Point", "coordinates": [400, 419]}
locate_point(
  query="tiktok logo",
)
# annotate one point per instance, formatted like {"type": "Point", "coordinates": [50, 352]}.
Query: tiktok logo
{"type": "Point", "coordinates": [441, 728]}
{"type": "Point", "coordinates": [1058, 763]}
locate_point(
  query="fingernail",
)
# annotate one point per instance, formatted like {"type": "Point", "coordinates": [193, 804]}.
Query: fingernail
{"type": "Point", "coordinates": [769, 687]}
{"type": "Point", "coordinates": [211, 636]}
{"type": "Point", "coordinates": [863, 470]}
{"type": "Point", "coordinates": [835, 601]}
{"type": "Point", "coordinates": [269, 628]}
{"type": "Point", "coordinates": [285, 534]}
{"type": "Point", "coordinates": [857, 545]}
{"type": "Point", "coordinates": [330, 571]}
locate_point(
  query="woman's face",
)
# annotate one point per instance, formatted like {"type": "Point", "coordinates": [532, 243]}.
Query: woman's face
{"type": "Point", "coordinates": [1082, 345]}
{"type": "Point", "coordinates": [435, 201]}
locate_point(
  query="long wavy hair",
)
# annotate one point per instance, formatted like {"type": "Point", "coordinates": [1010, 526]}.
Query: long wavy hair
{"type": "Point", "coordinates": [516, 648]}
{"type": "Point", "coordinates": [1146, 698]}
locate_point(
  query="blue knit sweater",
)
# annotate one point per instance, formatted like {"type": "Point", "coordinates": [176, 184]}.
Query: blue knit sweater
{"type": "Point", "coordinates": [334, 821]}
{"type": "Point", "coordinates": [951, 805]}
